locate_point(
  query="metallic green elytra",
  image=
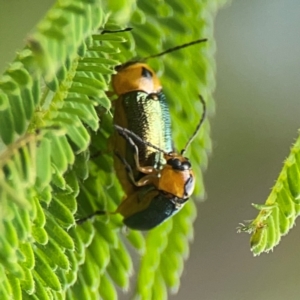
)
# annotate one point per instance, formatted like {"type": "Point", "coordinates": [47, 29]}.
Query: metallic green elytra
{"type": "Point", "coordinates": [148, 117]}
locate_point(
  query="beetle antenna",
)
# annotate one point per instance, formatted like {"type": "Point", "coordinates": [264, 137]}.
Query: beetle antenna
{"type": "Point", "coordinates": [143, 59]}
{"type": "Point", "coordinates": [198, 126]}
{"type": "Point", "coordinates": [174, 49]}
{"type": "Point", "coordinates": [126, 132]}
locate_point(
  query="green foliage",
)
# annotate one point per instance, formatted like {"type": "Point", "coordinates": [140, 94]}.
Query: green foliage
{"type": "Point", "coordinates": [277, 216]}
{"type": "Point", "coordinates": [54, 163]}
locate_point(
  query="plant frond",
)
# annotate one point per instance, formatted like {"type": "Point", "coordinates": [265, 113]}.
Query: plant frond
{"type": "Point", "coordinates": [55, 124]}
{"type": "Point", "coordinates": [278, 215]}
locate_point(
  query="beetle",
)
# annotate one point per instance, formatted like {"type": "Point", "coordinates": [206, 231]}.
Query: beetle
{"type": "Point", "coordinates": [156, 179]}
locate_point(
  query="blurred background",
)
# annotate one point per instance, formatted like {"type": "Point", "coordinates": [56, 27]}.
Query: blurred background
{"type": "Point", "coordinates": [257, 120]}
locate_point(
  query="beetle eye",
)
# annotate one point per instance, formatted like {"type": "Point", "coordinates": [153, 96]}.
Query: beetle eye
{"type": "Point", "coordinates": [174, 162]}
{"type": "Point", "coordinates": [178, 165]}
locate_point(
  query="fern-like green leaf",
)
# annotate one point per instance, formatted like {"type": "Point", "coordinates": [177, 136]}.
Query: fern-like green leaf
{"type": "Point", "coordinates": [278, 215]}
{"type": "Point", "coordinates": [55, 163]}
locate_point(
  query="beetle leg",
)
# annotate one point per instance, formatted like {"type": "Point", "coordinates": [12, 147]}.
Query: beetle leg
{"type": "Point", "coordinates": [127, 167]}
{"type": "Point", "coordinates": [148, 179]}
{"type": "Point", "coordinates": [146, 169]}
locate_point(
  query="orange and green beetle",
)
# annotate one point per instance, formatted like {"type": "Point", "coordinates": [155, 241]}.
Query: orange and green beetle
{"type": "Point", "coordinates": [156, 179]}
